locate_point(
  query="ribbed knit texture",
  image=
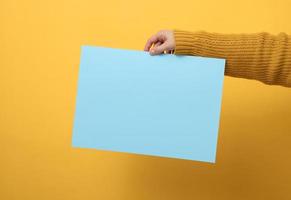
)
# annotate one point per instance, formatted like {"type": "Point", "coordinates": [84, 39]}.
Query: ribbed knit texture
{"type": "Point", "coordinates": [260, 56]}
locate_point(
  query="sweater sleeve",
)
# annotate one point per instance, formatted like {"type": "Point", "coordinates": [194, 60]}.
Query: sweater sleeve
{"type": "Point", "coordinates": [260, 56]}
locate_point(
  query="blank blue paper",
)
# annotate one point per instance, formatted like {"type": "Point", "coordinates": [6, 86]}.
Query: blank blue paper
{"type": "Point", "coordinates": [166, 105]}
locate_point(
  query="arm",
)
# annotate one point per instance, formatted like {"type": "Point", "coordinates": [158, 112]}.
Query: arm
{"type": "Point", "coordinates": [259, 56]}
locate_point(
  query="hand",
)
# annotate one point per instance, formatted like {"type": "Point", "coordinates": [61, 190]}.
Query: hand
{"type": "Point", "coordinates": [162, 42]}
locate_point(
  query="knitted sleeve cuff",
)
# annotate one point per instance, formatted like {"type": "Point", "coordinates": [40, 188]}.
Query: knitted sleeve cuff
{"type": "Point", "coordinates": [199, 43]}
{"type": "Point", "coordinates": [261, 56]}
{"type": "Point", "coordinates": [184, 41]}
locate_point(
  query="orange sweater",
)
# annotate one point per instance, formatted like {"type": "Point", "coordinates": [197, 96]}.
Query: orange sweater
{"type": "Point", "coordinates": [259, 56]}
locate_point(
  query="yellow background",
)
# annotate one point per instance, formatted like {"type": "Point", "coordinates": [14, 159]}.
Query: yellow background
{"type": "Point", "coordinates": [39, 57]}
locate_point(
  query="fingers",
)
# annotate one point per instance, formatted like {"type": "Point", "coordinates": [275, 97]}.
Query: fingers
{"type": "Point", "coordinates": [169, 52]}
{"type": "Point", "coordinates": [152, 40]}
{"type": "Point", "coordinates": [164, 47]}
{"type": "Point", "coordinates": [162, 42]}
{"type": "Point", "coordinates": [156, 44]}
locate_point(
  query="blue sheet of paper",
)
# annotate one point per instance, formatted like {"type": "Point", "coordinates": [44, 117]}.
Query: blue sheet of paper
{"type": "Point", "coordinates": [166, 105]}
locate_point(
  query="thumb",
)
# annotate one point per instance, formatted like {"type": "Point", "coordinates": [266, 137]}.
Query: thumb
{"type": "Point", "coordinates": [159, 49]}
